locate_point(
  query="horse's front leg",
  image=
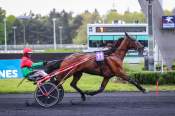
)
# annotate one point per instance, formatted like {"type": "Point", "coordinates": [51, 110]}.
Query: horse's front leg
{"type": "Point", "coordinates": [137, 84]}
{"type": "Point", "coordinates": [117, 69]}
{"type": "Point", "coordinates": [132, 81]}
{"type": "Point", "coordinates": [101, 89]}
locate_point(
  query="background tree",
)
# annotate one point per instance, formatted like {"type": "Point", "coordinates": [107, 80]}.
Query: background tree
{"type": "Point", "coordinates": [10, 23]}
{"type": "Point", "coordinates": [168, 13]}
{"type": "Point", "coordinates": [81, 37]}
{"type": "Point", "coordinates": [113, 15]}
{"type": "Point", "coordinates": [75, 25]}
{"type": "Point", "coordinates": [2, 16]}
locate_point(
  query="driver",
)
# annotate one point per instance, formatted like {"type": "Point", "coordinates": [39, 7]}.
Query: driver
{"type": "Point", "coordinates": [29, 68]}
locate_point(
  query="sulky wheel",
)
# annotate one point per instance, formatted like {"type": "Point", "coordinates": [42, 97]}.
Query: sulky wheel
{"type": "Point", "coordinates": [47, 94]}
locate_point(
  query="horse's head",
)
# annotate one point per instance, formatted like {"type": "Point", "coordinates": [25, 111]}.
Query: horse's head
{"type": "Point", "coordinates": [134, 44]}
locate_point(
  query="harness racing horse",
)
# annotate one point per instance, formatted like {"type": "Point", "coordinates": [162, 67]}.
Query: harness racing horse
{"type": "Point", "coordinates": [112, 66]}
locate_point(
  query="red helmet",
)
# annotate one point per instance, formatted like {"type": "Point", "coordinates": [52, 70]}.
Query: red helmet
{"type": "Point", "coordinates": [27, 50]}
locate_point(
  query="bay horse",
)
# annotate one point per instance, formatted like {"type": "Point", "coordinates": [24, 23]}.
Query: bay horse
{"type": "Point", "coordinates": [112, 66]}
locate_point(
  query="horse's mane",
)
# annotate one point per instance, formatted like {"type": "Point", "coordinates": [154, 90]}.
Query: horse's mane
{"type": "Point", "coordinates": [113, 47]}
{"type": "Point", "coordinates": [120, 39]}
{"type": "Point", "coordinates": [117, 43]}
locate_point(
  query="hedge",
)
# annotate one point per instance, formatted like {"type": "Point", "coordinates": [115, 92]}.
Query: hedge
{"type": "Point", "coordinates": [152, 77]}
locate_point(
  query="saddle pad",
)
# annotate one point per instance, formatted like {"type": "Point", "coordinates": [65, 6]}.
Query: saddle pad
{"type": "Point", "coordinates": [100, 56]}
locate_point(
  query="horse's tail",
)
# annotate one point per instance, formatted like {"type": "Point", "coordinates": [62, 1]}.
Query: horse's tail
{"type": "Point", "coordinates": [53, 65]}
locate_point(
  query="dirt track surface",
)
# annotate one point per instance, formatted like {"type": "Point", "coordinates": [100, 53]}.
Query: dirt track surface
{"type": "Point", "coordinates": [105, 104]}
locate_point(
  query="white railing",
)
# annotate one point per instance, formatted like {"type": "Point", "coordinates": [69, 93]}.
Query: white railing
{"type": "Point", "coordinates": [43, 47]}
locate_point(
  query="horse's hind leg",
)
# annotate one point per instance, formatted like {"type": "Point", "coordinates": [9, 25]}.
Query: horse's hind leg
{"type": "Point", "coordinates": [76, 78]}
{"type": "Point", "coordinates": [101, 89]}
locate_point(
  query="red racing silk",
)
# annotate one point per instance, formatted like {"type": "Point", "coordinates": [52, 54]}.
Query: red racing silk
{"type": "Point", "coordinates": [26, 62]}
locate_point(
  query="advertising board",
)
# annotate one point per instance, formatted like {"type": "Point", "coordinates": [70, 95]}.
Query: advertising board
{"type": "Point", "coordinates": [10, 69]}
{"type": "Point", "coordinates": [168, 22]}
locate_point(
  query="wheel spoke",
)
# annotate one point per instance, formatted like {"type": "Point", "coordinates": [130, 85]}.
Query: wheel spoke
{"type": "Point", "coordinates": [53, 96]}
{"type": "Point", "coordinates": [41, 88]}
{"type": "Point", "coordinates": [51, 90]}
{"type": "Point", "coordinates": [45, 91]}
{"type": "Point", "coordinates": [39, 95]}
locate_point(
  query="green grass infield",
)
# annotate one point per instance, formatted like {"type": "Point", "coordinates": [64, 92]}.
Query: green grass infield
{"type": "Point", "coordinates": [86, 83]}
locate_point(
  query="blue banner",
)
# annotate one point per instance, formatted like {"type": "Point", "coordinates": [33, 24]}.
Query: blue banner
{"type": "Point", "coordinates": [10, 69]}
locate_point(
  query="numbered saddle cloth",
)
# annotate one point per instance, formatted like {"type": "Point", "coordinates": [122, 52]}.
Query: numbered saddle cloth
{"type": "Point", "coordinates": [100, 56]}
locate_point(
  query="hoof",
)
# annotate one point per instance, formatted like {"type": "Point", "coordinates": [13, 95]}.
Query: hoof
{"type": "Point", "coordinates": [144, 90]}
{"type": "Point", "coordinates": [76, 102]}
{"type": "Point", "coordinates": [83, 98]}
{"type": "Point", "coordinates": [89, 93]}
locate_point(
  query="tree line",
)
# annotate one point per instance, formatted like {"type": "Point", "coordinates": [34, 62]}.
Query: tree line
{"type": "Point", "coordinates": [39, 29]}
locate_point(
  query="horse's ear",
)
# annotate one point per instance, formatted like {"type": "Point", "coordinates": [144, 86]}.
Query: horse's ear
{"type": "Point", "coordinates": [126, 34]}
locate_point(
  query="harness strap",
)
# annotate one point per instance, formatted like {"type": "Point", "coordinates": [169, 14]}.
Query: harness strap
{"type": "Point", "coordinates": [100, 64]}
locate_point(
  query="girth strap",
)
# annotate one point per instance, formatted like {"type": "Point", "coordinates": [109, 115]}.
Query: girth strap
{"type": "Point", "coordinates": [101, 66]}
